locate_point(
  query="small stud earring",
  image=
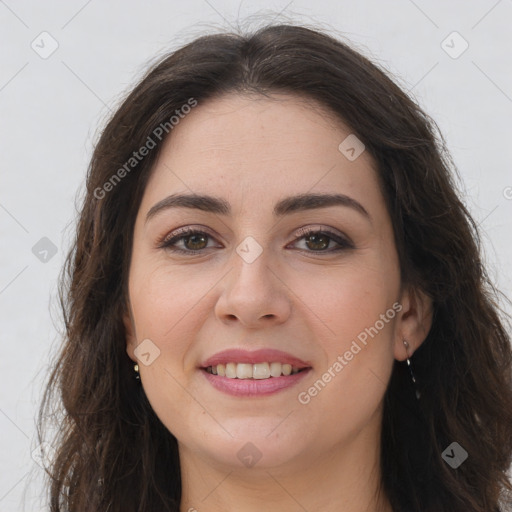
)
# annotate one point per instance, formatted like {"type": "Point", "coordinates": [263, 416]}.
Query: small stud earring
{"type": "Point", "coordinates": [136, 370]}
{"type": "Point", "coordinates": [413, 378]}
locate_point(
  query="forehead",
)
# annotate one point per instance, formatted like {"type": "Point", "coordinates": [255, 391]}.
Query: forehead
{"type": "Point", "coordinates": [260, 147]}
{"type": "Point", "coordinates": [239, 123]}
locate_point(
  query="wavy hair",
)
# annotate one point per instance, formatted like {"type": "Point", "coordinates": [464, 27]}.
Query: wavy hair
{"type": "Point", "coordinates": [113, 453]}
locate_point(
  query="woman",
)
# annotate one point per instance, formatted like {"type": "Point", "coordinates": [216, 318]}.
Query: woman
{"type": "Point", "coordinates": [276, 299]}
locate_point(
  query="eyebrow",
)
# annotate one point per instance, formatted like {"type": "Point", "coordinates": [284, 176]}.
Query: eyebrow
{"type": "Point", "coordinates": [300, 202]}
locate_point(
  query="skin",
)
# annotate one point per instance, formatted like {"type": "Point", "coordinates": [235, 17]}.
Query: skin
{"type": "Point", "coordinates": [324, 455]}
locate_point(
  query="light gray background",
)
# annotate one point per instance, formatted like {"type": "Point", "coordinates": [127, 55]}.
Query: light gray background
{"type": "Point", "coordinates": [51, 110]}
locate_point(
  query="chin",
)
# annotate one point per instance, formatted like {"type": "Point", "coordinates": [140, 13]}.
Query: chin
{"type": "Point", "coordinates": [252, 443]}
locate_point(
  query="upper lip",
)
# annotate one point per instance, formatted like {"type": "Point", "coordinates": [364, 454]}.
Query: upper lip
{"type": "Point", "coordinates": [252, 357]}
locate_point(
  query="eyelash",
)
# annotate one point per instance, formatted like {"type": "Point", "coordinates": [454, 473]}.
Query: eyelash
{"type": "Point", "coordinates": [167, 243]}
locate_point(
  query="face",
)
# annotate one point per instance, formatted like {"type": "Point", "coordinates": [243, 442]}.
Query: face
{"type": "Point", "coordinates": [311, 284]}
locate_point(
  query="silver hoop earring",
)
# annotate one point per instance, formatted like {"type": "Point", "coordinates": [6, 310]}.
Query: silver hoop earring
{"type": "Point", "coordinates": [413, 378]}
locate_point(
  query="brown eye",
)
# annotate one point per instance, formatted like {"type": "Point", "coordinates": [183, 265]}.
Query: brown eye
{"type": "Point", "coordinates": [196, 242]}
{"type": "Point", "coordinates": [190, 242]}
{"type": "Point", "coordinates": [317, 241]}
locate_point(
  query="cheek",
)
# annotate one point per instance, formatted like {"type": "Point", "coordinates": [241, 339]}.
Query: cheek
{"type": "Point", "coordinates": [164, 300]}
{"type": "Point", "coordinates": [347, 299]}
{"type": "Point", "coordinates": [165, 304]}
{"type": "Point", "coordinates": [358, 308]}
{"type": "Point", "coordinates": [350, 383]}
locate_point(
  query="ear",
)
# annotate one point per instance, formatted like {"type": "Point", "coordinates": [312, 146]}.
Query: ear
{"type": "Point", "coordinates": [413, 323]}
{"type": "Point", "coordinates": [129, 327]}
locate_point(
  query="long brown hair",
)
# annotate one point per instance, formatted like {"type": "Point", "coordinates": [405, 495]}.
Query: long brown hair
{"type": "Point", "coordinates": [112, 451]}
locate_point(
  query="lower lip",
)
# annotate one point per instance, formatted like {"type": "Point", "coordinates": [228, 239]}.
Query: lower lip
{"type": "Point", "coordinates": [254, 387]}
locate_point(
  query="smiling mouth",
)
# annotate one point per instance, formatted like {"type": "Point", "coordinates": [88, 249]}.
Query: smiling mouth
{"type": "Point", "coordinates": [254, 371]}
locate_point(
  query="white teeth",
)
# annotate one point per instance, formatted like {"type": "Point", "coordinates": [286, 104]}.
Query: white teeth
{"type": "Point", "coordinates": [231, 370]}
{"type": "Point", "coordinates": [243, 371]}
{"type": "Point", "coordinates": [261, 371]}
{"type": "Point", "coordinates": [275, 369]}
{"type": "Point", "coordinates": [253, 371]}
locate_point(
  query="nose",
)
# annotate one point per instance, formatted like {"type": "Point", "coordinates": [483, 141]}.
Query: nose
{"type": "Point", "coordinates": [253, 294]}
